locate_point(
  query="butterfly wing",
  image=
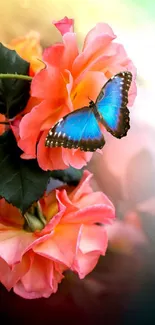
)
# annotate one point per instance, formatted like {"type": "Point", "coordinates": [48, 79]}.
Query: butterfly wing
{"type": "Point", "coordinates": [112, 104]}
{"type": "Point", "coordinates": [78, 129]}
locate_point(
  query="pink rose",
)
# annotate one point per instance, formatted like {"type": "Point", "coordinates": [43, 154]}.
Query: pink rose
{"type": "Point", "coordinates": [70, 78]}
{"type": "Point", "coordinates": [32, 263]}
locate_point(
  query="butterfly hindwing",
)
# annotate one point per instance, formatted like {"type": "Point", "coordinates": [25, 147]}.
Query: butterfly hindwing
{"type": "Point", "coordinates": [78, 129]}
{"type": "Point", "coordinates": [112, 104]}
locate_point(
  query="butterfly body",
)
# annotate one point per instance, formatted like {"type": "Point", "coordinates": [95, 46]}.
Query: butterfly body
{"type": "Point", "coordinates": [81, 128]}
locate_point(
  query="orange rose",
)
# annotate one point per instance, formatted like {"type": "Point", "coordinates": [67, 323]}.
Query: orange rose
{"type": "Point", "coordinates": [70, 78]}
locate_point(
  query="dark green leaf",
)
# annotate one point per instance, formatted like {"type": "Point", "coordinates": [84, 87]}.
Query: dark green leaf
{"type": "Point", "coordinates": [70, 176]}
{"type": "Point", "coordinates": [22, 182]}
{"type": "Point", "coordinates": [14, 93]}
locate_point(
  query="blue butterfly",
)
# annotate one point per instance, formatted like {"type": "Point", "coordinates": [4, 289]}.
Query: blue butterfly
{"type": "Point", "coordinates": [80, 129]}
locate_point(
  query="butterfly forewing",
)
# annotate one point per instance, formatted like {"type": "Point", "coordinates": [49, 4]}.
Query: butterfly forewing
{"type": "Point", "coordinates": [112, 103]}
{"type": "Point", "coordinates": [78, 129]}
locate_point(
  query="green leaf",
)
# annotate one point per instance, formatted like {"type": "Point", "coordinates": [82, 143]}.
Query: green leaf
{"type": "Point", "coordinates": [70, 176]}
{"type": "Point", "coordinates": [22, 182]}
{"type": "Point", "coordinates": [14, 93]}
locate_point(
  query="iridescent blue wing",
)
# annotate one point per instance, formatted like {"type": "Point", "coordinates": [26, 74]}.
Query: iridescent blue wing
{"type": "Point", "coordinates": [112, 104]}
{"type": "Point", "coordinates": [78, 129]}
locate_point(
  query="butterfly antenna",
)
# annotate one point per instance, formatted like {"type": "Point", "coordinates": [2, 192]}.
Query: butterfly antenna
{"type": "Point", "coordinates": [90, 101]}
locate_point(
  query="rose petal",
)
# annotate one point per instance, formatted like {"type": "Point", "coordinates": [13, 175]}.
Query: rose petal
{"type": "Point", "coordinates": [83, 187]}
{"type": "Point", "coordinates": [64, 25]}
{"type": "Point", "coordinates": [76, 158]}
{"type": "Point", "coordinates": [94, 48]}
{"type": "Point", "coordinates": [30, 126]}
{"type": "Point", "coordinates": [99, 213]}
{"type": "Point", "coordinates": [71, 50]}
{"type": "Point", "coordinates": [85, 263]}
{"type": "Point", "coordinates": [19, 289]}
{"type": "Point", "coordinates": [85, 90]}
{"type": "Point", "coordinates": [53, 88]}
{"type": "Point", "coordinates": [93, 243]}
{"type": "Point", "coordinates": [46, 156]}
{"type": "Point", "coordinates": [61, 247]}
{"type": "Point", "coordinates": [99, 29]}
{"type": "Point", "coordinates": [93, 238]}
{"type": "Point", "coordinates": [9, 277]}
{"type": "Point", "coordinates": [53, 55]}
{"type": "Point", "coordinates": [17, 239]}
{"type": "Point", "coordinates": [40, 281]}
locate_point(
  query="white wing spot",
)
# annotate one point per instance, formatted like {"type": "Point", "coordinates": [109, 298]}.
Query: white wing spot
{"type": "Point", "coordinates": [60, 121]}
{"type": "Point", "coordinates": [64, 134]}
{"type": "Point", "coordinates": [59, 134]}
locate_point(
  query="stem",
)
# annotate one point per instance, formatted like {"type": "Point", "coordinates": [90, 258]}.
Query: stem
{"type": "Point", "coordinates": [15, 76]}
{"type": "Point", "coordinates": [40, 214]}
{"type": "Point", "coordinates": [32, 223]}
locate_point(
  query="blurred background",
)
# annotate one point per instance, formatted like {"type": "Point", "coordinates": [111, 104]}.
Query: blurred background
{"type": "Point", "coordinates": [121, 288]}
